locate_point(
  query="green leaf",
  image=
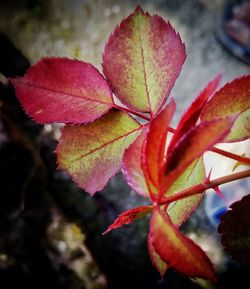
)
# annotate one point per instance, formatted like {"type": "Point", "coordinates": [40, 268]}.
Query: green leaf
{"type": "Point", "coordinates": [93, 153]}
{"type": "Point", "coordinates": [181, 210]}
{"type": "Point", "coordinates": [142, 59]}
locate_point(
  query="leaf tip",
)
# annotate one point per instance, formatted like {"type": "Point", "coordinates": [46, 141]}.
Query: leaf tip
{"type": "Point", "coordinates": [138, 10]}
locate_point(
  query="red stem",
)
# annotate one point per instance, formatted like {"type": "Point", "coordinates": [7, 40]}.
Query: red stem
{"type": "Point", "coordinates": [231, 155]}
{"type": "Point", "coordinates": [131, 111]}
{"type": "Point", "coordinates": [197, 189]}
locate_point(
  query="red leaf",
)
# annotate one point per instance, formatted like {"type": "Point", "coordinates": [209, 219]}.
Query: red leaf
{"type": "Point", "coordinates": [231, 100]}
{"type": "Point", "coordinates": [131, 165]}
{"type": "Point", "coordinates": [154, 147]}
{"type": "Point", "coordinates": [63, 90]}
{"type": "Point", "coordinates": [93, 153]}
{"type": "Point", "coordinates": [191, 116]}
{"type": "Point", "coordinates": [128, 216]}
{"type": "Point", "coordinates": [142, 59]}
{"type": "Point", "coordinates": [192, 146]}
{"type": "Point", "coordinates": [177, 250]}
{"type": "Point", "coordinates": [159, 264]}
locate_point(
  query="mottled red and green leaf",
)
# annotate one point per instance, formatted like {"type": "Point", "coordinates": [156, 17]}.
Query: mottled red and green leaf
{"type": "Point", "coordinates": [192, 146]}
{"type": "Point", "coordinates": [232, 99]}
{"type": "Point", "coordinates": [177, 250]}
{"type": "Point", "coordinates": [142, 59]}
{"type": "Point", "coordinates": [93, 153]}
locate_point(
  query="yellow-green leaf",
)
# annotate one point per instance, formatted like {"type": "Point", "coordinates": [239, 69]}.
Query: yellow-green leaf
{"type": "Point", "coordinates": [93, 153]}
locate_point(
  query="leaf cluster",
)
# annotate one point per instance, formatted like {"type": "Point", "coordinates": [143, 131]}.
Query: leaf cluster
{"type": "Point", "coordinates": [141, 62]}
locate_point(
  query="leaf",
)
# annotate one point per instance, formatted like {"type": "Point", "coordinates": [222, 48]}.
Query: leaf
{"type": "Point", "coordinates": [159, 264]}
{"type": "Point", "coordinates": [192, 146]}
{"type": "Point", "coordinates": [131, 165]}
{"type": "Point", "coordinates": [241, 128]}
{"type": "Point", "coordinates": [235, 230]}
{"type": "Point", "coordinates": [142, 59]}
{"type": "Point", "coordinates": [232, 99]}
{"type": "Point", "coordinates": [181, 210]}
{"type": "Point", "coordinates": [191, 116]}
{"type": "Point", "coordinates": [154, 145]}
{"type": "Point", "coordinates": [129, 216]}
{"type": "Point", "coordinates": [177, 250]}
{"type": "Point", "coordinates": [93, 153]}
{"type": "Point", "coordinates": [63, 90]}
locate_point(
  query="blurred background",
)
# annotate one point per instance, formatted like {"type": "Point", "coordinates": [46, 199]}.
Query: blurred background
{"type": "Point", "coordinates": [50, 230]}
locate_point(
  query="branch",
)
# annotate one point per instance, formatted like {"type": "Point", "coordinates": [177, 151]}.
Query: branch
{"type": "Point", "coordinates": [132, 112]}
{"type": "Point", "coordinates": [230, 155]}
{"type": "Point", "coordinates": [194, 190]}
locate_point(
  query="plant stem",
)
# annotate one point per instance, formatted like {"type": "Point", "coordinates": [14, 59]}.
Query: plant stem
{"type": "Point", "coordinates": [197, 189]}
{"type": "Point", "coordinates": [132, 112]}
{"type": "Point", "coordinates": [170, 129]}
{"type": "Point", "coordinates": [230, 155]}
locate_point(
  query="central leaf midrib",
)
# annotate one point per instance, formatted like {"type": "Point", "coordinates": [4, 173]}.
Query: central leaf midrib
{"type": "Point", "coordinates": [143, 65]}
{"type": "Point", "coordinates": [60, 92]}
{"type": "Point", "coordinates": [105, 144]}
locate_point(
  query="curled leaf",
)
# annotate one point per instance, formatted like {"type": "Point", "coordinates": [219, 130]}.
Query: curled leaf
{"type": "Point", "coordinates": [93, 153]}
{"type": "Point", "coordinates": [131, 165]}
{"type": "Point", "coordinates": [177, 250]}
{"type": "Point", "coordinates": [142, 59]}
{"type": "Point", "coordinates": [192, 114]}
{"type": "Point", "coordinates": [63, 90]}
{"type": "Point", "coordinates": [192, 146]}
{"type": "Point", "coordinates": [153, 154]}
{"type": "Point", "coordinates": [128, 216]}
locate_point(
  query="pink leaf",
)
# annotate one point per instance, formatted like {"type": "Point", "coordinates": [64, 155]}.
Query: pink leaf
{"type": "Point", "coordinates": [131, 166]}
{"type": "Point", "coordinates": [63, 90]}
